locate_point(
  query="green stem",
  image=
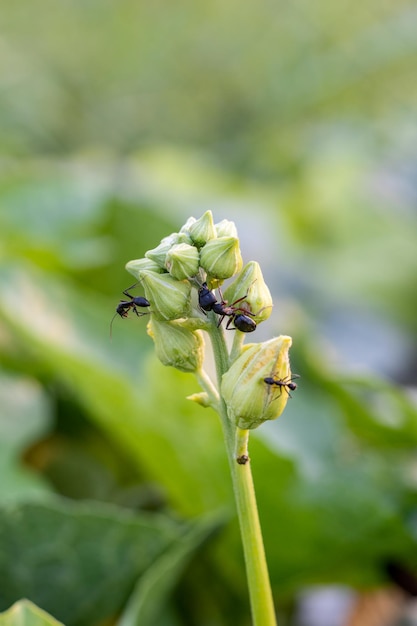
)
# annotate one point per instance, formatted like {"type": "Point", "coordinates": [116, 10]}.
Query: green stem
{"type": "Point", "coordinates": [238, 340]}
{"type": "Point", "coordinates": [206, 383]}
{"type": "Point", "coordinates": [263, 613]}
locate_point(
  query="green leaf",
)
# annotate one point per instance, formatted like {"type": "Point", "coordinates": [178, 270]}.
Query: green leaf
{"type": "Point", "coordinates": [78, 561]}
{"type": "Point", "coordinates": [144, 410]}
{"type": "Point", "coordinates": [153, 588]}
{"type": "Point", "coordinates": [25, 613]}
{"type": "Point", "coordinates": [24, 417]}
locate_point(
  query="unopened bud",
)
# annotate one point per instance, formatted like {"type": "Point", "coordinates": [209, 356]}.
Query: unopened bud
{"type": "Point", "coordinates": [258, 298]}
{"type": "Point", "coordinates": [221, 258]}
{"type": "Point", "coordinates": [158, 254]}
{"type": "Point", "coordinates": [250, 400]}
{"type": "Point", "coordinates": [226, 228]}
{"type": "Point", "coordinates": [176, 346]}
{"type": "Point", "coordinates": [202, 398]}
{"type": "Point", "coordinates": [202, 230]}
{"type": "Point", "coordinates": [182, 261]}
{"type": "Point", "coordinates": [170, 299]}
{"type": "Point", "coordinates": [138, 266]}
{"type": "Point", "coordinates": [187, 225]}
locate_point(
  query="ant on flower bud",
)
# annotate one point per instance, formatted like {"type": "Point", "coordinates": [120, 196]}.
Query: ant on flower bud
{"type": "Point", "coordinates": [125, 306]}
{"type": "Point", "coordinates": [240, 316]}
{"type": "Point", "coordinates": [282, 383]}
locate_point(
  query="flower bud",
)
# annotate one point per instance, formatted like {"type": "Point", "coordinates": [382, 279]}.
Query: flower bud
{"type": "Point", "coordinates": [202, 398]}
{"type": "Point", "coordinates": [221, 257]}
{"type": "Point", "coordinates": [170, 299]}
{"type": "Point", "coordinates": [187, 225]}
{"type": "Point", "coordinates": [176, 346]}
{"type": "Point", "coordinates": [158, 254]}
{"type": "Point", "coordinates": [226, 228]}
{"type": "Point", "coordinates": [249, 398]}
{"type": "Point", "coordinates": [182, 261]}
{"type": "Point", "coordinates": [138, 266]}
{"type": "Point", "coordinates": [202, 230]}
{"type": "Point", "coordinates": [258, 298]}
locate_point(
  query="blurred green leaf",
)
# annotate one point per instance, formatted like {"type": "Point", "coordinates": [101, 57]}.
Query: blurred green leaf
{"type": "Point", "coordinates": [149, 596]}
{"type": "Point", "coordinates": [78, 561]}
{"type": "Point", "coordinates": [25, 415]}
{"type": "Point", "coordinates": [298, 124]}
{"type": "Point", "coordinates": [25, 613]}
{"type": "Point", "coordinates": [151, 420]}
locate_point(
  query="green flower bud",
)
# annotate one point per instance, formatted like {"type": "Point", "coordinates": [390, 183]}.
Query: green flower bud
{"type": "Point", "coordinates": [182, 261]}
{"type": "Point", "coordinates": [251, 282]}
{"type": "Point", "coordinates": [170, 299]}
{"type": "Point", "coordinates": [202, 230]}
{"type": "Point", "coordinates": [226, 228]}
{"type": "Point", "coordinates": [250, 400]}
{"type": "Point", "coordinates": [176, 346]}
{"type": "Point", "coordinates": [158, 254]}
{"type": "Point", "coordinates": [221, 257]}
{"type": "Point", "coordinates": [138, 266]}
{"type": "Point", "coordinates": [184, 237]}
{"type": "Point", "coordinates": [187, 225]}
{"type": "Point", "coordinates": [201, 398]}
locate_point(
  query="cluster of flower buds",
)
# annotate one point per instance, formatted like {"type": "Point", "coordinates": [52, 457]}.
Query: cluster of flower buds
{"type": "Point", "coordinates": [201, 256]}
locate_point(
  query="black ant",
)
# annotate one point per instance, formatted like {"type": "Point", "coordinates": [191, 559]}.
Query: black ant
{"type": "Point", "coordinates": [283, 383]}
{"type": "Point", "coordinates": [241, 317]}
{"type": "Point", "coordinates": [124, 306]}
{"type": "Point", "coordinates": [206, 298]}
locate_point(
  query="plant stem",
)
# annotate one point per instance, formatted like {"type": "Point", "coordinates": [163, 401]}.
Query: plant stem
{"type": "Point", "coordinates": [238, 340]}
{"type": "Point", "coordinates": [208, 386]}
{"type": "Point", "coordinates": [262, 606]}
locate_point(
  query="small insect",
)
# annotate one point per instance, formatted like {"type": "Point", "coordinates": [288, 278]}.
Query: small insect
{"type": "Point", "coordinates": [283, 383]}
{"type": "Point", "coordinates": [206, 298]}
{"type": "Point", "coordinates": [239, 316]}
{"type": "Point", "coordinates": [133, 303]}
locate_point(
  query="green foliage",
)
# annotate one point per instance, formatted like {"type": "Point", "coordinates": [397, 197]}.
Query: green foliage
{"type": "Point", "coordinates": [80, 561]}
{"type": "Point", "coordinates": [25, 613]}
{"type": "Point", "coordinates": [332, 476]}
{"type": "Point", "coordinates": [148, 600]}
{"type": "Point", "coordinates": [294, 121]}
{"type": "Point", "coordinates": [20, 397]}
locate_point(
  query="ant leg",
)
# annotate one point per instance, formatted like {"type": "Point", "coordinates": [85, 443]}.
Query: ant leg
{"type": "Point", "coordinates": [229, 321]}
{"type": "Point", "coordinates": [126, 291]}
{"type": "Point", "coordinates": [244, 298]}
{"type": "Point", "coordinates": [138, 313]}
{"type": "Point", "coordinates": [239, 300]}
{"type": "Point", "coordinates": [220, 321]}
{"type": "Point", "coordinates": [269, 306]}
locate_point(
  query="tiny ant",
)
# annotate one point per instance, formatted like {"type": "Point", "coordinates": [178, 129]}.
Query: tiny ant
{"type": "Point", "coordinates": [124, 306]}
{"type": "Point", "coordinates": [283, 383]}
{"type": "Point", "coordinates": [206, 298]}
{"type": "Point", "coordinates": [241, 317]}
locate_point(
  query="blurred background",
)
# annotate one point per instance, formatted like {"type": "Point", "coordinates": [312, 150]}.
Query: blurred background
{"type": "Point", "coordinates": [119, 120]}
